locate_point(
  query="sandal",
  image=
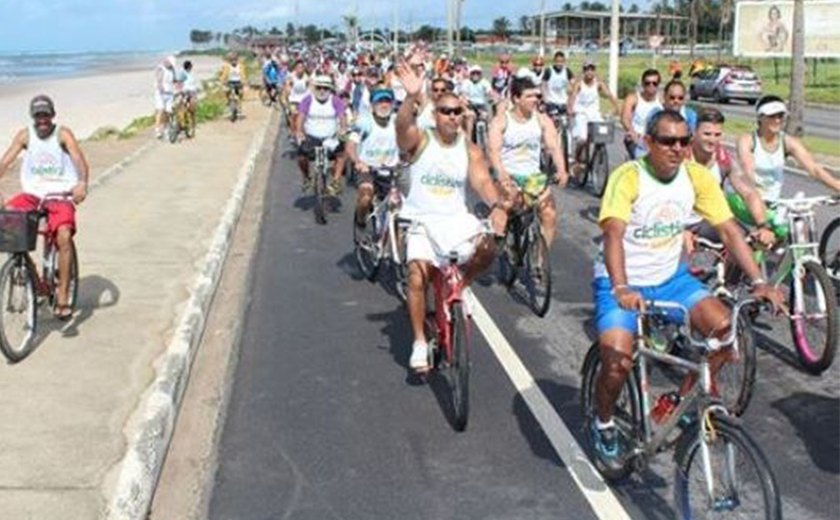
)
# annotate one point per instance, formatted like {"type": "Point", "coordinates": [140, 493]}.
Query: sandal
{"type": "Point", "coordinates": [63, 312]}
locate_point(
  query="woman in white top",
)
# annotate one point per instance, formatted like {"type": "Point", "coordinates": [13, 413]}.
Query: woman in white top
{"type": "Point", "coordinates": [762, 156]}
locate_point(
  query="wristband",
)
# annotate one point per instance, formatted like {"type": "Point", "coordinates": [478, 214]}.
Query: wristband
{"type": "Point", "coordinates": [616, 288]}
{"type": "Point", "coordinates": [758, 281]}
{"type": "Point", "coordinates": [763, 225]}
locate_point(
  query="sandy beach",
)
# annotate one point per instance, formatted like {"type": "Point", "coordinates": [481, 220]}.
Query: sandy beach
{"type": "Point", "coordinates": [94, 100]}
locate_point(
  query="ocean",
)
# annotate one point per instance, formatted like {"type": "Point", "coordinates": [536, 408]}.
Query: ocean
{"type": "Point", "coordinates": [23, 66]}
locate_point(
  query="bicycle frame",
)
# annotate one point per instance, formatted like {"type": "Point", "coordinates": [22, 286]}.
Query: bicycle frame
{"type": "Point", "coordinates": [389, 206]}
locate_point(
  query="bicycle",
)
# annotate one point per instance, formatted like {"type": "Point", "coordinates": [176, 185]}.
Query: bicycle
{"type": "Point", "coordinates": [480, 130]}
{"type": "Point", "coordinates": [526, 251]}
{"type": "Point", "coordinates": [322, 155]}
{"type": "Point", "coordinates": [706, 438]}
{"type": "Point", "coordinates": [233, 102]}
{"type": "Point", "coordinates": [448, 326]}
{"type": "Point", "coordinates": [829, 251]}
{"type": "Point", "coordinates": [383, 237]}
{"type": "Point", "coordinates": [560, 118]}
{"type": "Point", "coordinates": [270, 97]}
{"type": "Point", "coordinates": [595, 157]}
{"type": "Point", "coordinates": [21, 287]}
{"type": "Point", "coordinates": [181, 119]}
{"type": "Point", "coordinates": [811, 294]}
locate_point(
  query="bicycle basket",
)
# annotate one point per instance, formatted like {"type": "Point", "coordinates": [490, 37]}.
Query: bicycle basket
{"type": "Point", "coordinates": [18, 231]}
{"type": "Point", "coordinates": [601, 132]}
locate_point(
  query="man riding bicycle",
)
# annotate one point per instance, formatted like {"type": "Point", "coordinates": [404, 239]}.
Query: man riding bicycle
{"type": "Point", "coordinates": [476, 92]}
{"type": "Point", "coordinates": [233, 75]}
{"type": "Point", "coordinates": [373, 143]}
{"type": "Point", "coordinates": [321, 116]}
{"type": "Point", "coordinates": [52, 163]}
{"type": "Point", "coordinates": [637, 108]}
{"type": "Point", "coordinates": [555, 85]}
{"type": "Point", "coordinates": [585, 106]}
{"type": "Point", "coordinates": [515, 146]}
{"type": "Point", "coordinates": [442, 162]}
{"type": "Point", "coordinates": [643, 214]}
{"type": "Point", "coordinates": [271, 78]}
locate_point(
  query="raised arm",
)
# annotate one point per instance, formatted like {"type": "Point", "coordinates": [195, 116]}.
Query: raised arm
{"type": "Point", "coordinates": [806, 161]}
{"type": "Point", "coordinates": [409, 136]}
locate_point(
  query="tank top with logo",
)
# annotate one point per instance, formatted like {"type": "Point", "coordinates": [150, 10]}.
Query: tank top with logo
{"type": "Point", "coordinates": [557, 87]}
{"type": "Point", "coordinates": [438, 178]}
{"type": "Point", "coordinates": [377, 144]}
{"type": "Point", "coordinates": [46, 168]}
{"type": "Point", "coordinates": [521, 145]}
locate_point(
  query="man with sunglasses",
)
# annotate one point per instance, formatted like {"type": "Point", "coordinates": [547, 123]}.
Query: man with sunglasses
{"type": "Point", "coordinates": [638, 107]}
{"type": "Point", "coordinates": [53, 162]}
{"type": "Point", "coordinates": [643, 214]}
{"type": "Point", "coordinates": [674, 99]}
{"type": "Point", "coordinates": [516, 139]}
{"type": "Point", "coordinates": [321, 116]}
{"type": "Point", "coordinates": [426, 110]}
{"type": "Point", "coordinates": [443, 161]}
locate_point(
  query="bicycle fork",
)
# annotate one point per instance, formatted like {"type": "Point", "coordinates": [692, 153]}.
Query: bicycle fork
{"type": "Point", "coordinates": [447, 283]}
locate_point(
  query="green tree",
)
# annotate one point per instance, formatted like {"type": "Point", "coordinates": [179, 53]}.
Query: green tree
{"type": "Point", "coordinates": [290, 30]}
{"type": "Point", "coordinates": [426, 33]}
{"type": "Point", "coordinates": [311, 34]}
{"type": "Point", "coordinates": [501, 27]}
{"type": "Point", "coordinates": [524, 24]}
{"type": "Point", "coordinates": [633, 8]}
{"type": "Point", "coordinates": [567, 7]}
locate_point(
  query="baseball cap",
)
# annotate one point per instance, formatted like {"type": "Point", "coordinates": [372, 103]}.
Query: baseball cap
{"type": "Point", "coordinates": [588, 64]}
{"type": "Point", "coordinates": [382, 94]}
{"type": "Point", "coordinates": [41, 104]}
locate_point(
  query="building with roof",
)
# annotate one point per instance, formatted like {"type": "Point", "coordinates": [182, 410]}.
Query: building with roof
{"type": "Point", "coordinates": [573, 28]}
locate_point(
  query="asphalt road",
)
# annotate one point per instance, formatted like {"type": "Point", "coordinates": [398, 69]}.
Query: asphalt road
{"type": "Point", "coordinates": [819, 122]}
{"type": "Point", "coordinates": [324, 421]}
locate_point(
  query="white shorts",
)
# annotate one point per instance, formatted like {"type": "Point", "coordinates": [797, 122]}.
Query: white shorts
{"type": "Point", "coordinates": [450, 233]}
{"type": "Point", "coordinates": [163, 101]}
{"type": "Point", "coordinates": [581, 129]}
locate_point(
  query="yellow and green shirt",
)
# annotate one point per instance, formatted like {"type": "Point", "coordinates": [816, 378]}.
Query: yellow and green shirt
{"type": "Point", "coordinates": [656, 213]}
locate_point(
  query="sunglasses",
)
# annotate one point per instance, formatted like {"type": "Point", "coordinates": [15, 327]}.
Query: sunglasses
{"type": "Point", "coordinates": [652, 83]}
{"type": "Point", "coordinates": [450, 111]}
{"type": "Point", "coordinates": [322, 89]}
{"type": "Point", "coordinates": [439, 90]}
{"type": "Point", "coordinates": [669, 141]}
{"type": "Point", "coordinates": [676, 98]}
{"type": "Point", "coordinates": [503, 62]}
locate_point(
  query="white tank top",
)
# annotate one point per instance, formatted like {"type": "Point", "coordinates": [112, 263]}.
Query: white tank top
{"type": "Point", "coordinates": [321, 121]}
{"type": "Point", "coordinates": [236, 73]}
{"type": "Point", "coordinates": [643, 110]}
{"type": "Point", "coordinates": [587, 101]}
{"type": "Point", "coordinates": [438, 179]}
{"type": "Point", "coordinates": [521, 145]}
{"type": "Point", "coordinates": [476, 92]}
{"type": "Point", "coordinates": [299, 88]}
{"type": "Point", "coordinates": [46, 168]}
{"type": "Point", "coordinates": [557, 87]}
{"type": "Point", "coordinates": [379, 144]}
{"type": "Point", "coordinates": [769, 168]}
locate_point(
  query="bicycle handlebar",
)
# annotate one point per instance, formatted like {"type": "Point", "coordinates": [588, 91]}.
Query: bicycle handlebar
{"type": "Point", "coordinates": [800, 203]}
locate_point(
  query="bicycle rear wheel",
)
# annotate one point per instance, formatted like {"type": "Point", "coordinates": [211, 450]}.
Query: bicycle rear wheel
{"type": "Point", "coordinates": [743, 483]}
{"type": "Point", "coordinates": [458, 368]}
{"type": "Point", "coordinates": [830, 251]}
{"type": "Point", "coordinates": [233, 108]}
{"type": "Point", "coordinates": [320, 207]}
{"type": "Point", "coordinates": [814, 319]}
{"type": "Point", "coordinates": [599, 170]}
{"type": "Point", "coordinates": [365, 246]}
{"type": "Point", "coordinates": [18, 311]}
{"type": "Point", "coordinates": [537, 272]}
{"type": "Point", "coordinates": [627, 413]}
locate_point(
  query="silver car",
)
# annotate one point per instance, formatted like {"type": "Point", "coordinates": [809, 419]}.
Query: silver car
{"type": "Point", "coordinates": [725, 83]}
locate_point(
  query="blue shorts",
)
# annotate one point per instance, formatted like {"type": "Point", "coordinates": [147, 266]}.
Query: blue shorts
{"type": "Point", "coordinates": [681, 288]}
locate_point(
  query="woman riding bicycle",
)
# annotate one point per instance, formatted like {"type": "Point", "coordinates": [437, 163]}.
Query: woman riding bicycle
{"type": "Point", "coordinates": [762, 155]}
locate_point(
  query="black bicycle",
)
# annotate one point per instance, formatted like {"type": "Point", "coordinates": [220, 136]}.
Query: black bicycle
{"type": "Point", "coordinates": [594, 160]}
{"type": "Point", "coordinates": [558, 115]}
{"type": "Point", "coordinates": [323, 154]}
{"type": "Point", "coordinates": [526, 254]}
{"type": "Point", "coordinates": [829, 252]}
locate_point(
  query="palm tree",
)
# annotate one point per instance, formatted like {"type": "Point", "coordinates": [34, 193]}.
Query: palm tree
{"type": "Point", "coordinates": [501, 27]}
{"type": "Point", "coordinates": [524, 24]}
{"type": "Point", "coordinates": [797, 73]}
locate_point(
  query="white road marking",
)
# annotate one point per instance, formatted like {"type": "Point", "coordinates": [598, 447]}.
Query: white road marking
{"type": "Point", "coordinates": [601, 498]}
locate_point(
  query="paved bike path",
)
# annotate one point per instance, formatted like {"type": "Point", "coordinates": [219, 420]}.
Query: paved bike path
{"type": "Point", "coordinates": [67, 408]}
{"type": "Point", "coordinates": [323, 421]}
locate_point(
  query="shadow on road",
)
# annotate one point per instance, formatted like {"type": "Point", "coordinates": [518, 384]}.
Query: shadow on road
{"type": "Point", "coordinates": [817, 421]}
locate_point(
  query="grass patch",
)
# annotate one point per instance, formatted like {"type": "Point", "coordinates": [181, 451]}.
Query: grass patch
{"type": "Point", "coordinates": [136, 126]}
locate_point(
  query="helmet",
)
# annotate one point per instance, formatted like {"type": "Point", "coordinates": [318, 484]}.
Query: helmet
{"type": "Point", "coordinates": [323, 81]}
{"type": "Point", "coordinates": [538, 61]}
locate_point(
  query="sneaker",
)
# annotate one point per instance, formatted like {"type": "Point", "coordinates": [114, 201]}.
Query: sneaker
{"type": "Point", "coordinates": [419, 361]}
{"type": "Point", "coordinates": [333, 188]}
{"type": "Point", "coordinates": [605, 441]}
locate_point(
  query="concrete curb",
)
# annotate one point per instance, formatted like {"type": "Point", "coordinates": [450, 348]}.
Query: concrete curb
{"type": "Point", "coordinates": [155, 415]}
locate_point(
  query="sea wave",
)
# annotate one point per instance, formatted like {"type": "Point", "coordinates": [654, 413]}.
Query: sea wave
{"type": "Point", "coordinates": [20, 66]}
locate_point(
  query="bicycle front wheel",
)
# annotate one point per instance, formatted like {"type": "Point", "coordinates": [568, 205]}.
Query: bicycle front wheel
{"type": "Point", "coordinates": [538, 272]}
{"type": "Point", "coordinates": [599, 170]}
{"type": "Point", "coordinates": [320, 207]}
{"type": "Point", "coordinates": [813, 321]}
{"type": "Point", "coordinates": [736, 378]}
{"type": "Point", "coordinates": [172, 128]}
{"type": "Point", "coordinates": [19, 308]}
{"type": "Point", "coordinates": [459, 366]}
{"type": "Point", "coordinates": [365, 247]}
{"type": "Point", "coordinates": [742, 483]}
{"type": "Point", "coordinates": [399, 263]}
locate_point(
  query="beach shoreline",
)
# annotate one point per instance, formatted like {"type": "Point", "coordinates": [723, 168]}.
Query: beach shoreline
{"type": "Point", "coordinates": [95, 98]}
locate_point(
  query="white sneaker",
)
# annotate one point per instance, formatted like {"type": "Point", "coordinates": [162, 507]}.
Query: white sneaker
{"type": "Point", "coordinates": [419, 360]}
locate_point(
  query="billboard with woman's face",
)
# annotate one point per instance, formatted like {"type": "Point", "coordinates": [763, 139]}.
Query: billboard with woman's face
{"type": "Point", "coordinates": [764, 28]}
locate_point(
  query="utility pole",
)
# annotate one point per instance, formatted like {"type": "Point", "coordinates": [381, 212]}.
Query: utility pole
{"type": "Point", "coordinates": [542, 28]}
{"type": "Point", "coordinates": [614, 22]}
{"type": "Point", "coordinates": [797, 73]}
{"type": "Point", "coordinates": [458, 8]}
{"type": "Point", "coordinates": [396, 28]}
{"type": "Point", "coordinates": [449, 23]}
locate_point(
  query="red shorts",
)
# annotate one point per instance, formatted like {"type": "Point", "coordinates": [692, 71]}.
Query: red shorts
{"type": "Point", "coordinates": [60, 213]}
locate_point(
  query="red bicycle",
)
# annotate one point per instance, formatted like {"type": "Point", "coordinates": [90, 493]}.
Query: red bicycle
{"type": "Point", "coordinates": [448, 324]}
{"type": "Point", "coordinates": [22, 289]}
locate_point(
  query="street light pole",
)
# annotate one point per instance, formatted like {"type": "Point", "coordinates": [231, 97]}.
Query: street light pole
{"type": "Point", "coordinates": [542, 28]}
{"type": "Point", "coordinates": [613, 78]}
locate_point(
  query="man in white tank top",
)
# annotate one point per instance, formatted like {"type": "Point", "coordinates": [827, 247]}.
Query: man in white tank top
{"type": "Point", "coordinates": [372, 144]}
{"type": "Point", "coordinates": [442, 162]}
{"type": "Point", "coordinates": [164, 93]}
{"type": "Point", "coordinates": [585, 105]}
{"type": "Point", "coordinates": [515, 143]}
{"type": "Point", "coordinates": [53, 163]}
{"type": "Point", "coordinates": [637, 109]}
{"type": "Point", "coordinates": [321, 115]}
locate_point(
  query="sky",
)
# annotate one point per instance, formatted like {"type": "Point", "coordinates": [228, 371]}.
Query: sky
{"type": "Point", "coordinates": [117, 25]}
